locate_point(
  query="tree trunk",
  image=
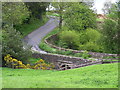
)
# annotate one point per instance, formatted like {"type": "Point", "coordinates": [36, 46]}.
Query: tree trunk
{"type": "Point", "coordinates": [60, 23]}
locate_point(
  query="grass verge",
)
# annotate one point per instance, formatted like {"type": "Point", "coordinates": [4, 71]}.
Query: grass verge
{"type": "Point", "coordinates": [95, 76]}
{"type": "Point", "coordinates": [34, 24]}
{"type": "Point", "coordinates": [52, 14]}
{"type": "Point", "coordinates": [99, 20]}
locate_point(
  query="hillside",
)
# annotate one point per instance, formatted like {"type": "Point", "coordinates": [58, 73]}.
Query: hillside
{"type": "Point", "coordinates": [95, 76]}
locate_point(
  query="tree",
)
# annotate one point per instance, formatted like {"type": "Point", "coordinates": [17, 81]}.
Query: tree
{"type": "Point", "coordinates": [37, 8]}
{"type": "Point", "coordinates": [110, 36]}
{"type": "Point", "coordinates": [114, 10]}
{"type": "Point", "coordinates": [79, 17]}
{"type": "Point", "coordinates": [106, 8]}
{"type": "Point", "coordinates": [60, 8]}
{"type": "Point", "coordinates": [14, 13]}
{"type": "Point", "coordinates": [13, 45]}
{"type": "Point", "coordinates": [111, 30]}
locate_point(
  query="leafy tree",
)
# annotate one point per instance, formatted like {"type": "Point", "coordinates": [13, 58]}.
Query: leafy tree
{"type": "Point", "coordinates": [106, 8]}
{"type": "Point", "coordinates": [12, 44]}
{"type": "Point", "coordinates": [79, 17]}
{"type": "Point", "coordinates": [37, 9]}
{"type": "Point", "coordinates": [113, 12]}
{"type": "Point", "coordinates": [89, 3]}
{"type": "Point", "coordinates": [14, 12]}
{"type": "Point", "coordinates": [111, 31]}
{"type": "Point", "coordinates": [60, 8]}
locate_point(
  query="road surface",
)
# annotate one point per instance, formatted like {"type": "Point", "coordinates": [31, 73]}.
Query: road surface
{"type": "Point", "coordinates": [34, 38]}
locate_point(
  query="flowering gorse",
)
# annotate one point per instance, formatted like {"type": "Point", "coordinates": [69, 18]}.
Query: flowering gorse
{"type": "Point", "coordinates": [16, 64]}
{"type": "Point", "coordinates": [42, 65]}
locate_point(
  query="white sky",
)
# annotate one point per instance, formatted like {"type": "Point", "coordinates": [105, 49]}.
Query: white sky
{"type": "Point", "coordinates": [100, 3]}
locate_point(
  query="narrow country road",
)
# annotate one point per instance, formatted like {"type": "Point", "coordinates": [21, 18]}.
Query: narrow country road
{"type": "Point", "coordinates": [34, 38]}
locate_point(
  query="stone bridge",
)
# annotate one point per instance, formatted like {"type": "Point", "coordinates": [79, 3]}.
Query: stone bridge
{"type": "Point", "coordinates": [63, 62]}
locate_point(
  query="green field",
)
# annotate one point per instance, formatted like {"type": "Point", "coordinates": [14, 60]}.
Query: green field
{"type": "Point", "coordinates": [95, 76]}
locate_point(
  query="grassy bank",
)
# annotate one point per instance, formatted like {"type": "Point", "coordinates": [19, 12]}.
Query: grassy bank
{"type": "Point", "coordinates": [96, 76]}
{"type": "Point", "coordinates": [49, 49]}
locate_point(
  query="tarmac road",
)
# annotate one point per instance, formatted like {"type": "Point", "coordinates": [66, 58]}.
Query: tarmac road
{"type": "Point", "coordinates": [34, 38]}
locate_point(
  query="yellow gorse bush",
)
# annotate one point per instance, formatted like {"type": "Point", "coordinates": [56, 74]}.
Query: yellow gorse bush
{"type": "Point", "coordinates": [40, 64]}
{"type": "Point", "coordinates": [16, 64]}
{"type": "Point", "coordinates": [13, 63]}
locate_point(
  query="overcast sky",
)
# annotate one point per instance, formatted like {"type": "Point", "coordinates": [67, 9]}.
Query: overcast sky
{"type": "Point", "coordinates": [100, 3]}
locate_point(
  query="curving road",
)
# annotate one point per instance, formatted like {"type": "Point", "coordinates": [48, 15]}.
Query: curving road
{"type": "Point", "coordinates": [34, 38]}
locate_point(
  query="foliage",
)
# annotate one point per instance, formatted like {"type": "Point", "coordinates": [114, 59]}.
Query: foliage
{"type": "Point", "coordinates": [70, 38]}
{"type": "Point", "coordinates": [85, 55]}
{"type": "Point", "coordinates": [42, 65]}
{"type": "Point", "coordinates": [91, 46]}
{"type": "Point", "coordinates": [14, 13]}
{"type": "Point", "coordinates": [110, 36]}
{"type": "Point", "coordinates": [82, 17]}
{"type": "Point", "coordinates": [12, 44]}
{"type": "Point", "coordinates": [78, 54]}
{"type": "Point", "coordinates": [60, 7]}
{"type": "Point", "coordinates": [15, 64]}
{"type": "Point", "coordinates": [106, 8]}
{"type": "Point", "coordinates": [89, 40]}
{"type": "Point", "coordinates": [90, 35]}
{"type": "Point", "coordinates": [114, 12]}
{"type": "Point", "coordinates": [49, 49]}
{"type": "Point", "coordinates": [111, 30]}
{"type": "Point", "coordinates": [37, 9]}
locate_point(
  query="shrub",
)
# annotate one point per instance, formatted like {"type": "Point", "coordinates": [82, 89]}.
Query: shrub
{"type": "Point", "coordinates": [70, 38]}
{"type": "Point", "coordinates": [42, 65]}
{"type": "Point", "coordinates": [90, 46]}
{"type": "Point", "coordinates": [78, 54]}
{"type": "Point", "coordinates": [89, 35]}
{"type": "Point", "coordinates": [92, 35]}
{"type": "Point", "coordinates": [68, 53]}
{"type": "Point", "coordinates": [14, 63]}
{"type": "Point", "coordinates": [85, 55]}
{"type": "Point", "coordinates": [89, 40]}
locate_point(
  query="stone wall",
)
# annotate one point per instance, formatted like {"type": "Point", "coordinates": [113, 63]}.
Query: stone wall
{"type": "Point", "coordinates": [50, 40]}
{"type": "Point", "coordinates": [60, 60]}
{"type": "Point", "coordinates": [54, 58]}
